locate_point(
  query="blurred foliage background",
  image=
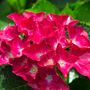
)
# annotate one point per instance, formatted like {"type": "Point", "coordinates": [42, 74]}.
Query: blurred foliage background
{"type": "Point", "coordinates": [78, 9]}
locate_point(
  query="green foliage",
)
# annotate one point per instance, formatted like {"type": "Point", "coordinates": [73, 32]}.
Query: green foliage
{"type": "Point", "coordinates": [4, 8]}
{"type": "Point", "coordinates": [4, 11]}
{"type": "Point", "coordinates": [81, 83]}
{"type": "Point", "coordinates": [67, 10]}
{"type": "Point", "coordinates": [44, 6]}
{"type": "Point", "coordinates": [4, 22]}
{"type": "Point", "coordinates": [83, 13]}
{"type": "Point", "coordinates": [61, 3]}
{"type": "Point", "coordinates": [9, 81]}
{"type": "Point", "coordinates": [17, 5]}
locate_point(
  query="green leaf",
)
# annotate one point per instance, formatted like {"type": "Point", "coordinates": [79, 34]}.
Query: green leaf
{"type": "Point", "coordinates": [9, 81]}
{"type": "Point", "coordinates": [67, 10]}
{"type": "Point", "coordinates": [17, 5]}
{"type": "Point", "coordinates": [62, 3]}
{"type": "Point", "coordinates": [4, 8]}
{"type": "Point", "coordinates": [2, 24]}
{"type": "Point", "coordinates": [83, 13]}
{"type": "Point", "coordinates": [72, 76]}
{"type": "Point", "coordinates": [4, 21]}
{"type": "Point", "coordinates": [75, 5]}
{"type": "Point", "coordinates": [4, 11]}
{"type": "Point", "coordinates": [44, 6]}
{"type": "Point", "coordinates": [22, 3]}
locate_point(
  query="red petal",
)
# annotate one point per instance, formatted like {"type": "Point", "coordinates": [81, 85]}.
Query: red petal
{"type": "Point", "coordinates": [17, 18]}
{"type": "Point", "coordinates": [48, 60]}
{"type": "Point", "coordinates": [9, 33]}
{"type": "Point", "coordinates": [65, 60]}
{"type": "Point", "coordinates": [36, 51]}
{"type": "Point", "coordinates": [24, 67]}
{"type": "Point", "coordinates": [83, 64]}
{"type": "Point", "coordinates": [47, 79]}
{"type": "Point", "coordinates": [78, 36]}
{"type": "Point", "coordinates": [17, 46]}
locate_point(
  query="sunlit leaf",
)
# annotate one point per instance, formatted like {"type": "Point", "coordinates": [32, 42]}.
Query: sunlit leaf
{"type": "Point", "coordinates": [44, 5]}
{"type": "Point", "coordinates": [17, 5]}
{"type": "Point", "coordinates": [67, 10]}
{"type": "Point", "coordinates": [83, 13]}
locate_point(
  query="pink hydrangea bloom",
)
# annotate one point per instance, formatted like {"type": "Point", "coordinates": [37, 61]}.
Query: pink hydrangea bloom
{"type": "Point", "coordinates": [9, 33]}
{"type": "Point", "coordinates": [47, 79]}
{"type": "Point", "coordinates": [24, 66]}
{"type": "Point", "coordinates": [5, 53]}
{"type": "Point", "coordinates": [65, 60]}
{"type": "Point", "coordinates": [39, 42]}
{"type": "Point", "coordinates": [48, 60]}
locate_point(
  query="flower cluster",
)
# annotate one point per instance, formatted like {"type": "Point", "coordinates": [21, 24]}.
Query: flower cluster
{"type": "Point", "coordinates": [38, 43]}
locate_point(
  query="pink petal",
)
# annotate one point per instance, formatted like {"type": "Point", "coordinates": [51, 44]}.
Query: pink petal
{"type": "Point", "coordinates": [28, 14]}
{"type": "Point", "coordinates": [81, 42]}
{"type": "Point", "coordinates": [52, 40]}
{"type": "Point", "coordinates": [60, 20]}
{"type": "Point", "coordinates": [37, 17]}
{"type": "Point", "coordinates": [5, 53]}
{"type": "Point", "coordinates": [47, 79]}
{"type": "Point", "coordinates": [36, 51]}
{"type": "Point", "coordinates": [65, 60]}
{"type": "Point", "coordinates": [17, 46]}
{"type": "Point", "coordinates": [47, 60]}
{"type": "Point", "coordinates": [78, 36]}
{"type": "Point", "coordinates": [33, 36]}
{"type": "Point", "coordinates": [47, 28]}
{"type": "Point", "coordinates": [10, 32]}
{"type": "Point", "coordinates": [3, 59]}
{"type": "Point", "coordinates": [17, 18]}
{"type": "Point", "coordinates": [73, 23]}
{"type": "Point", "coordinates": [83, 64]}
{"type": "Point", "coordinates": [24, 67]}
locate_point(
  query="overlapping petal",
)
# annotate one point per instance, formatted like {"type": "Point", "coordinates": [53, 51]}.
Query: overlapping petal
{"type": "Point", "coordinates": [65, 60]}
{"type": "Point", "coordinates": [18, 45]}
{"type": "Point", "coordinates": [38, 42]}
{"type": "Point", "coordinates": [48, 59]}
{"type": "Point", "coordinates": [24, 67]}
{"type": "Point", "coordinates": [78, 36]}
{"type": "Point", "coordinates": [5, 53]}
{"type": "Point", "coordinates": [17, 18]}
{"type": "Point", "coordinates": [9, 33]}
{"type": "Point", "coordinates": [47, 79]}
{"type": "Point", "coordinates": [36, 51]}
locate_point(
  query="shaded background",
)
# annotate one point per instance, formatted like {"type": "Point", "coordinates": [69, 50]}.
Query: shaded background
{"type": "Point", "coordinates": [78, 9]}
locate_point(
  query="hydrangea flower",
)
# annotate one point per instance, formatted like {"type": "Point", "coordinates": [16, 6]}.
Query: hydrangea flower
{"type": "Point", "coordinates": [47, 79]}
{"type": "Point", "coordinates": [39, 42]}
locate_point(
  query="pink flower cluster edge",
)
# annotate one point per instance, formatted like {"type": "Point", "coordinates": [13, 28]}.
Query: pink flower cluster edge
{"type": "Point", "coordinates": [39, 42]}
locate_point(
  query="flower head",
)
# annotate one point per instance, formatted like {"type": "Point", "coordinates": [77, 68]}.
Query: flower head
{"type": "Point", "coordinates": [38, 41]}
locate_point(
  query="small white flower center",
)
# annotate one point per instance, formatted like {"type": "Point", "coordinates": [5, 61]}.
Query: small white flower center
{"type": "Point", "coordinates": [62, 63]}
{"type": "Point", "coordinates": [39, 55]}
{"type": "Point", "coordinates": [34, 69]}
{"type": "Point", "coordinates": [49, 78]}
